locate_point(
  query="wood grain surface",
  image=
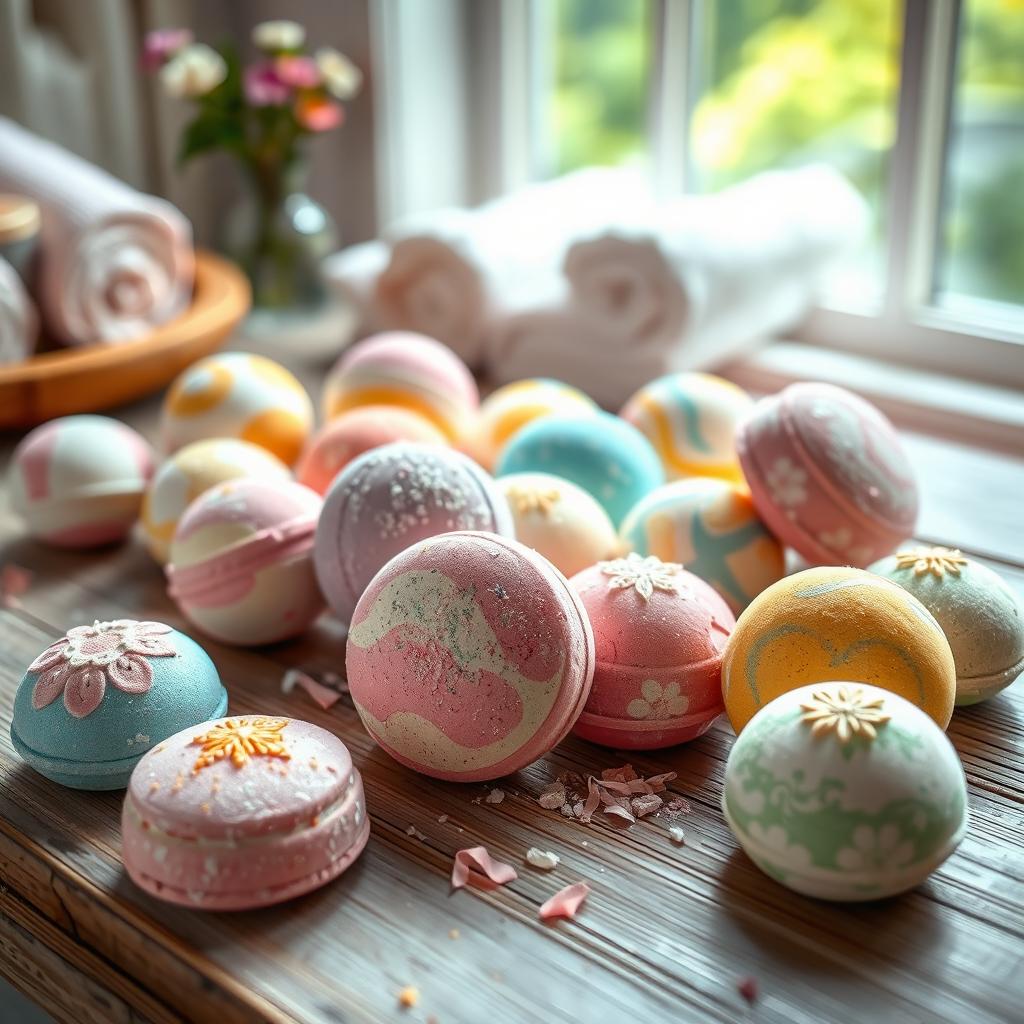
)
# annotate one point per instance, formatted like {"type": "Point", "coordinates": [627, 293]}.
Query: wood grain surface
{"type": "Point", "coordinates": [668, 933]}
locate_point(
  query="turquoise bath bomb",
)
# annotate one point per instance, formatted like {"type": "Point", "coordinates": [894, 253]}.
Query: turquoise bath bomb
{"type": "Point", "coordinates": [603, 454]}
{"type": "Point", "coordinates": [95, 701]}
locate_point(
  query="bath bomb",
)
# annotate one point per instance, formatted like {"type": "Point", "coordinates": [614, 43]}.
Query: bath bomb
{"type": "Point", "coordinates": [191, 471]}
{"type": "Point", "coordinates": [691, 419]}
{"type": "Point", "coordinates": [235, 394]}
{"type": "Point", "coordinates": [828, 622]}
{"type": "Point", "coordinates": [78, 481]}
{"type": "Point", "coordinates": [828, 475]}
{"type": "Point", "coordinates": [408, 370]}
{"type": "Point", "coordinates": [392, 497]}
{"type": "Point", "coordinates": [601, 453]}
{"type": "Point", "coordinates": [712, 527]}
{"type": "Point", "coordinates": [241, 566]}
{"type": "Point", "coordinates": [243, 813]}
{"type": "Point", "coordinates": [983, 619]}
{"type": "Point", "coordinates": [659, 632]}
{"type": "Point", "coordinates": [469, 656]}
{"type": "Point", "coordinates": [511, 407]}
{"type": "Point", "coordinates": [560, 520]}
{"type": "Point", "coordinates": [359, 430]}
{"type": "Point", "coordinates": [95, 701]}
{"type": "Point", "coordinates": [843, 791]}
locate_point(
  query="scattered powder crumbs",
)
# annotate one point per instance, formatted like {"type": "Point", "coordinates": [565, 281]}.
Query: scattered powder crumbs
{"type": "Point", "coordinates": [495, 796]}
{"type": "Point", "coordinates": [543, 859]}
{"type": "Point", "coordinates": [552, 797]}
{"type": "Point", "coordinates": [747, 987]}
{"type": "Point", "coordinates": [442, 819]}
{"type": "Point", "coordinates": [412, 830]}
{"type": "Point", "coordinates": [622, 796]}
{"type": "Point", "coordinates": [477, 865]}
{"type": "Point", "coordinates": [566, 902]}
{"type": "Point", "coordinates": [408, 997]}
{"type": "Point", "coordinates": [677, 835]}
{"type": "Point", "coordinates": [453, 933]}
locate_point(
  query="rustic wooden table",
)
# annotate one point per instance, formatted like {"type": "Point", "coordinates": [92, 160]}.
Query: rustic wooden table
{"type": "Point", "coordinates": [668, 933]}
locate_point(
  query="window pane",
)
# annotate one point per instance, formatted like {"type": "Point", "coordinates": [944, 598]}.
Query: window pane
{"type": "Point", "coordinates": [593, 106]}
{"type": "Point", "coordinates": [983, 227]}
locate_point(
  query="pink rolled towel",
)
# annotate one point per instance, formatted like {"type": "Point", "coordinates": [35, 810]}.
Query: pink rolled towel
{"type": "Point", "coordinates": [113, 262]}
{"type": "Point", "coordinates": [19, 324]}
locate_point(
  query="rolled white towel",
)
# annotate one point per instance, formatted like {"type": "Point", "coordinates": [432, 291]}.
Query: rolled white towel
{"type": "Point", "coordinates": [19, 324]}
{"type": "Point", "coordinates": [113, 262]}
{"type": "Point", "coordinates": [352, 276]}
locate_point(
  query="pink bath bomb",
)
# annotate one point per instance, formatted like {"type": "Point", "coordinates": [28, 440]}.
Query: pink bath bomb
{"type": "Point", "coordinates": [392, 497]}
{"type": "Point", "coordinates": [659, 632]}
{"type": "Point", "coordinates": [469, 656]}
{"type": "Point", "coordinates": [828, 475]}
{"type": "Point", "coordinates": [241, 565]}
{"type": "Point", "coordinates": [243, 812]}
{"type": "Point", "coordinates": [359, 430]}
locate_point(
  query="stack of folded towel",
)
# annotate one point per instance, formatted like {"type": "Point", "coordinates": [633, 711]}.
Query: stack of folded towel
{"type": "Point", "coordinates": [591, 280]}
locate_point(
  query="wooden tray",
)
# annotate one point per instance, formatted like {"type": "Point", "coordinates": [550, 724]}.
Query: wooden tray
{"type": "Point", "coordinates": [94, 377]}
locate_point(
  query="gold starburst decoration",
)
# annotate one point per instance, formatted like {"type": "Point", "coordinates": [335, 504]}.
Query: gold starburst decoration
{"type": "Point", "coordinates": [531, 499]}
{"type": "Point", "coordinates": [846, 712]}
{"type": "Point", "coordinates": [937, 560]}
{"type": "Point", "coordinates": [241, 739]}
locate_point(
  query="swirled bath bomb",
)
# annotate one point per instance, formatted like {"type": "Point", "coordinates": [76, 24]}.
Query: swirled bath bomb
{"type": "Point", "coordinates": [78, 481]}
{"type": "Point", "coordinates": [193, 470]}
{"type": "Point", "coordinates": [691, 419]}
{"type": "Point", "coordinates": [601, 453]}
{"type": "Point", "coordinates": [712, 527]}
{"type": "Point", "coordinates": [392, 497]}
{"type": "Point", "coordinates": [235, 394]}
{"type": "Point", "coordinates": [843, 791]}
{"type": "Point", "coordinates": [981, 616]}
{"type": "Point", "coordinates": [822, 623]}
{"type": "Point", "coordinates": [469, 656]}
{"type": "Point", "coordinates": [659, 632]}
{"type": "Point", "coordinates": [510, 408]}
{"type": "Point", "coordinates": [95, 701]}
{"type": "Point", "coordinates": [560, 520]}
{"type": "Point", "coordinates": [828, 474]}
{"type": "Point", "coordinates": [241, 565]}
{"type": "Point", "coordinates": [408, 370]}
{"type": "Point", "coordinates": [243, 813]}
{"type": "Point", "coordinates": [359, 430]}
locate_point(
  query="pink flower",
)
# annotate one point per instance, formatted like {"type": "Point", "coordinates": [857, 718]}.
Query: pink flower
{"type": "Point", "coordinates": [298, 72]}
{"type": "Point", "coordinates": [318, 114]}
{"type": "Point", "coordinates": [263, 87]}
{"type": "Point", "coordinates": [162, 44]}
{"type": "Point", "coordinates": [82, 663]}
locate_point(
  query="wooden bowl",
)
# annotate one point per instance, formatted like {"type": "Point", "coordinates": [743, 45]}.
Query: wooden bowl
{"type": "Point", "coordinates": [93, 377]}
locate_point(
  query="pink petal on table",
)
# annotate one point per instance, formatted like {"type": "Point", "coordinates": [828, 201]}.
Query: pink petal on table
{"type": "Point", "coordinates": [614, 787]}
{"type": "Point", "coordinates": [593, 799]}
{"type": "Point", "coordinates": [661, 780]}
{"type": "Point", "coordinates": [477, 860]}
{"type": "Point", "coordinates": [84, 691]}
{"type": "Point", "coordinates": [747, 987]}
{"type": "Point", "coordinates": [14, 581]}
{"type": "Point", "coordinates": [131, 673]}
{"type": "Point", "coordinates": [49, 686]}
{"type": "Point", "coordinates": [53, 655]}
{"type": "Point", "coordinates": [323, 695]}
{"type": "Point", "coordinates": [566, 902]}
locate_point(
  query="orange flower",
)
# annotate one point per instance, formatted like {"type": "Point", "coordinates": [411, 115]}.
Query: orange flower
{"type": "Point", "coordinates": [318, 114]}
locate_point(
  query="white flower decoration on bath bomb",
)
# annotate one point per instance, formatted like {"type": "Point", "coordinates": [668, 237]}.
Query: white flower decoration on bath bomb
{"type": "Point", "coordinates": [645, 575]}
{"type": "Point", "coordinates": [658, 702]}
{"type": "Point", "coordinates": [787, 482]}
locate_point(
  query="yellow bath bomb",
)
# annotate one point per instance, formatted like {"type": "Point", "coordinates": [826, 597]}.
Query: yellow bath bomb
{"type": "Point", "coordinates": [830, 624]}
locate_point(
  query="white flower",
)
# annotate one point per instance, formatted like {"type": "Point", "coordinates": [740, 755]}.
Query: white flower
{"type": "Point", "coordinates": [274, 36]}
{"type": "Point", "coordinates": [776, 840]}
{"type": "Point", "coordinates": [342, 78]}
{"type": "Point", "coordinates": [658, 702]}
{"type": "Point", "coordinates": [876, 848]}
{"type": "Point", "coordinates": [645, 574]}
{"type": "Point", "coordinates": [193, 72]}
{"type": "Point", "coordinates": [787, 482]}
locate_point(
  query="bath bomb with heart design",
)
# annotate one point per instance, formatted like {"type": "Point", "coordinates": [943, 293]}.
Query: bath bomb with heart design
{"type": "Point", "coordinates": [828, 623]}
{"type": "Point", "coordinates": [659, 632]}
{"type": "Point", "coordinates": [843, 791]}
{"type": "Point", "coordinates": [469, 656]}
{"type": "Point", "coordinates": [828, 474]}
{"type": "Point", "coordinates": [983, 619]}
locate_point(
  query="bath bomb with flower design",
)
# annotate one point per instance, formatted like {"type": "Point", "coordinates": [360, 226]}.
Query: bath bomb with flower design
{"type": "Point", "coordinates": [844, 791]}
{"type": "Point", "coordinates": [242, 813]}
{"type": "Point", "coordinates": [824, 623]}
{"type": "Point", "coordinates": [192, 471]}
{"type": "Point", "coordinates": [712, 527]}
{"type": "Point", "coordinates": [691, 420]}
{"type": "Point", "coordinates": [828, 474]}
{"type": "Point", "coordinates": [241, 566]}
{"type": "Point", "coordinates": [983, 619]}
{"type": "Point", "coordinates": [606, 456]}
{"type": "Point", "coordinates": [659, 632]}
{"type": "Point", "coordinates": [235, 394]}
{"type": "Point", "coordinates": [469, 656]}
{"type": "Point", "coordinates": [78, 481]}
{"type": "Point", "coordinates": [392, 497]}
{"type": "Point", "coordinates": [410, 371]}
{"type": "Point", "coordinates": [560, 520]}
{"type": "Point", "coordinates": [95, 701]}
{"type": "Point", "coordinates": [359, 430]}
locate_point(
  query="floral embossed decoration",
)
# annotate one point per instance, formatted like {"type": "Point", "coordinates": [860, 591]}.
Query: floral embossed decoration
{"type": "Point", "coordinates": [532, 499]}
{"type": "Point", "coordinates": [80, 665]}
{"type": "Point", "coordinates": [646, 575]}
{"type": "Point", "coordinates": [846, 712]}
{"type": "Point", "coordinates": [241, 739]}
{"type": "Point", "coordinates": [658, 702]}
{"type": "Point", "coordinates": [937, 560]}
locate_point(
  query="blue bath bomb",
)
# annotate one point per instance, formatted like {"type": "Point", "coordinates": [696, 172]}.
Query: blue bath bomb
{"type": "Point", "coordinates": [603, 454]}
{"type": "Point", "coordinates": [95, 701]}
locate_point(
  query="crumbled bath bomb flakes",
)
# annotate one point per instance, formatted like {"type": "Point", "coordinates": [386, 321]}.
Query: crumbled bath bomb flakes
{"type": "Point", "coordinates": [552, 796]}
{"type": "Point", "coordinates": [453, 933]}
{"type": "Point", "coordinates": [566, 902]}
{"type": "Point", "coordinates": [412, 830]}
{"type": "Point", "coordinates": [442, 819]}
{"type": "Point", "coordinates": [408, 997]}
{"type": "Point", "coordinates": [543, 859]}
{"type": "Point", "coordinates": [644, 805]}
{"type": "Point", "coordinates": [677, 835]}
{"type": "Point", "coordinates": [495, 796]}
{"type": "Point", "coordinates": [748, 988]}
